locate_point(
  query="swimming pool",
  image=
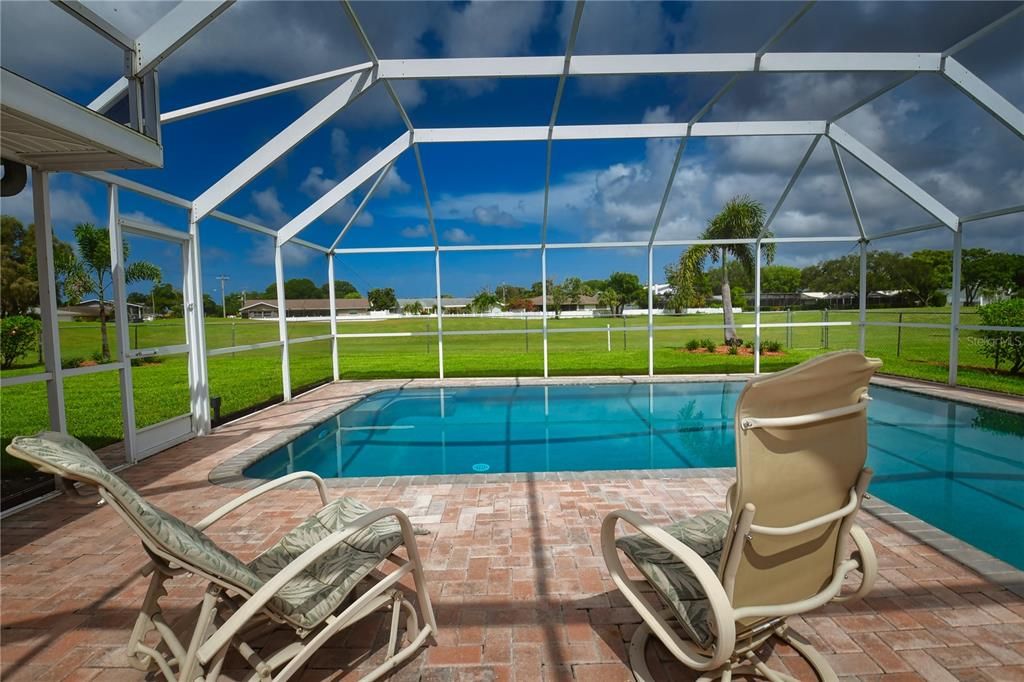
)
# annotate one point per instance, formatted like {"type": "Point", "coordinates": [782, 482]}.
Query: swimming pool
{"type": "Point", "coordinates": [959, 467]}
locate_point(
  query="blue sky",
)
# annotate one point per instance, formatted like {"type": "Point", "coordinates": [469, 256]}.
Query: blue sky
{"type": "Point", "coordinates": [493, 193]}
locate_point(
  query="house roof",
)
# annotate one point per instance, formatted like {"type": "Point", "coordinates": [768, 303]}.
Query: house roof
{"type": "Point", "coordinates": [451, 302]}
{"type": "Point", "coordinates": [310, 304]}
{"type": "Point", "coordinates": [92, 305]}
{"type": "Point", "coordinates": [584, 300]}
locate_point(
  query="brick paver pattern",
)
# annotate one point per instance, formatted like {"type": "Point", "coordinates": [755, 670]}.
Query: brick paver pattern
{"type": "Point", "coordinates": [515, 572]}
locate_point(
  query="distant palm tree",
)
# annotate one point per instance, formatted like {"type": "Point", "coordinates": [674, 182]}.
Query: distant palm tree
{"type": "Point", "coordinates": [414, 308]}
{"type": "Point", "coordinates": [740, 218]}
{"type": "Point", "coordinates": [91, 273]}
{"type": "Point", "coordinates": [609, 298]}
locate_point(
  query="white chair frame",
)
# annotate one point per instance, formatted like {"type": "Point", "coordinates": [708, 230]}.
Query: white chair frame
{"type": "Point", "coordinates": [733, 650]}
{"type": "Point", "coordinates": [203, 657]}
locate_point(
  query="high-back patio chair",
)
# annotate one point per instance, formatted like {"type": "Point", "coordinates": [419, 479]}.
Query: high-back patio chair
{"type": "Point", "coordinates": [307, 581]}
{"type": "Point", "coordinates": [730, 579]}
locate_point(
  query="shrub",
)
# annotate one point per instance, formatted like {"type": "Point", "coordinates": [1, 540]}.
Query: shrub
{"type": "Point", "coordinates": [709, 345]}
{"type": "Point", "coordinates": [71, 363]}
{"type": "Point", "coordinates": [734, 349]}
{"type": "Point", "coordinates": [18, 334]}
{"type": "Point", "coordinates": [1004, 346]}
{"type": "Point", "coordinates": [98, 358]}
{"type": "Point", "coordinates": [771, 347]}
{"type": "Point", "coordinates": [692, 344]}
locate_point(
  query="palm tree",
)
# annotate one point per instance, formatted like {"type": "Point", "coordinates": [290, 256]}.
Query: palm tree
{"type": "Point", "coordinates": [91, 274]}
{"type": "Point", "coordinates": [609, 298]}
{"type": "Point", "coordinates": [414, 308]}
{"type": "Point", "coordinates": [740, 218]}
{"type": "Point", "coordinates": [557, 296]}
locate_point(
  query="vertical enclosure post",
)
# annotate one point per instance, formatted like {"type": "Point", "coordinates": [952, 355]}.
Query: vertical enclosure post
{"type": "Point", "coordinates": [544, 303]}
{"type": "Point", "coordinates": [954, 318]}
{"type": "Point", "coordinates": [437, 312]}
{"type": "Point", "coordinates": [199, 382]}
{"type": "Point", "coordinates": [48, 299]}
{"type": "Point", "coordinates": [757, 307]}
{"type": "Point", "coordinates": [121, 323]}
{"type": "Point", "coordinates": [862, 316]}
{"type": "Point", "coordinates": [282, 323]}
{"type": "Point", "coordinates": [650, 310]}
{"type": "Point", "coordinates": [333, 302]}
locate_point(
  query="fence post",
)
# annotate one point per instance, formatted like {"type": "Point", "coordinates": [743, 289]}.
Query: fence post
{"type": "Point", "coordinates": [899, 335]}
{"type": "Point", "coordinates": [824, 329]}
{"type": "Point", "coordinates": [789, 330]}
{"type": "Point", "coordinates": [624, 328]}
{"type": "Point", "coordinates": [610, 338]}
{"type": "Point", "coordinates": [137, 337]}
{"type": "Point", "coordinates": [526, 330]}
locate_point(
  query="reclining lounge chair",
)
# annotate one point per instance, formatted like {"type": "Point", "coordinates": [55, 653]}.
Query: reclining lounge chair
{"type": "Point", "coordinates": [307, 581]}
{"type": "Point", "coordinates": [730, 580]}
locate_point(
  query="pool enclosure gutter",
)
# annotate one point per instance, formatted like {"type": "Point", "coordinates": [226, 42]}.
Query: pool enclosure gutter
{"type": "Point", "coordinates": [145, 54]}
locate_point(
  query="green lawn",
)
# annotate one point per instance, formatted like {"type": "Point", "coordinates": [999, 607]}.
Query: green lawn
{"type": "Point", "coordinates": [251, 378]}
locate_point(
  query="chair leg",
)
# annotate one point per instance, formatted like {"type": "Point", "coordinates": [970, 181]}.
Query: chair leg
{"type": "Point", "coordinates": [142, 656]}
{"type": "Point", "coordinates": [748, 664]}
{"type": "Point", "coordinates": [813, 657]}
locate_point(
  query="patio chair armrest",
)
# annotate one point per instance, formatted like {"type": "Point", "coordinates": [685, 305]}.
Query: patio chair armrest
{"type": "Point", "coordinates": [721, 608]}
{"type": "Point", "coordinates": [254, 604]}
{"type": "Point", "coordinates": [245, 498]}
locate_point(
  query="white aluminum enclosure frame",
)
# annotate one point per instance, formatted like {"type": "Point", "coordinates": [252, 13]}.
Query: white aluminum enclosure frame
{"type": "Point", "coordinates": [184, 21]}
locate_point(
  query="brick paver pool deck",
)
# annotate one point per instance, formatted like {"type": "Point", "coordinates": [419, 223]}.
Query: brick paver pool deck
{"type": "Point", "coordinates": [515, 572]}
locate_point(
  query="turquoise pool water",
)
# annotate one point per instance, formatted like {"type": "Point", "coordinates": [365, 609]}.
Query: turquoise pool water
{"type": "Point", "coordinates": [959, 467]}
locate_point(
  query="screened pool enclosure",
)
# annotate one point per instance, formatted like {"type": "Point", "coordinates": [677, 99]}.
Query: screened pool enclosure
{"type": "Point", "coordinates": [95, 150]}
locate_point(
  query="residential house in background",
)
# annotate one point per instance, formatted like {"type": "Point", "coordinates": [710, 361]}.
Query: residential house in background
{"type": "Point", "coordinates": [266, 309]}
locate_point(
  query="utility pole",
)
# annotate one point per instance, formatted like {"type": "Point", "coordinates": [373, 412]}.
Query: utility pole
{"type": "Point", "coordinates": [223, 305]}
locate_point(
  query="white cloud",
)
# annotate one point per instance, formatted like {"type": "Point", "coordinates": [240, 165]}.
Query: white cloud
{"type": "Point", "coordinates": [457, 235]}
{"type": "Point", "coordinates": [270, 207]}
{"type": "Point", "coordinates": [416, 232]}
{"type": "Point", "coordinates": [492, 215]}
{"type": "Point", "coordinates": [293, 255]}
{"type": "Point", "coordinates": [67, 206]}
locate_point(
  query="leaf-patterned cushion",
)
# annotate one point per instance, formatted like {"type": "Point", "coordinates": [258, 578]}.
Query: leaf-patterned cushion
{"type": "Point", "coordinates": [318, 591]}
{"type": "Point", "coordinates": [71, 458]}
{"type": "Point", "coordinates": [676, 584]}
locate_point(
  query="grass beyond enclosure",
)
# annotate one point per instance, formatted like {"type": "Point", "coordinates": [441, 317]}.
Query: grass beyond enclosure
{"type": "Point", "coordinates": [471, 349]}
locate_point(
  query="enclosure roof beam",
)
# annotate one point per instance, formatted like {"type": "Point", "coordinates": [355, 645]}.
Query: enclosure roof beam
{"type": "Point", "coordinates": [873, 96]}
{"type": "Point", "coordinates": [344, 188]}
{"type": "Point", "coordinates": [619, 131]}
{"type": "Point", "coordinates": [256, 227]}
{"type": "Point", "coordinates": [283, 142]}
{"type": "Point", "coordinates": [159, 41]}
{"type": "Point", "coordinates": [849, 190]}
{"type": "Point", "coordinates": [362, 204]}
{"type": "Point", "coordinates": [167, 198]}
{"type": "Point", "coordinates": [651, 64]}
{"type": "Point", "coordinates": [995, 213]}
{"type": "Point", "coordinates": [789, 185]}
{"type": "Point", "coordinates": [900, 182]}
{"type": "Point", "coordinates": [983, 31]}
{"type": "Point", "coordinates": [598, 245]}
{"type": "Point", "coordinates": [426, 194]}
{"type": "Point", "coordinates": [86, 16]}
{"type": "Point", "coordinates": [259, 93]}
{"type": "Point", "coordinates": [365, 40]}
{"type": "Point", "coordinates": [984, 96]}
{"type": "Point", "coordinates": [711, 103]}
{"type": "Point", "coordinates": [569, 46]}
{"type": "Point", "coordinates": [908, 230]}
